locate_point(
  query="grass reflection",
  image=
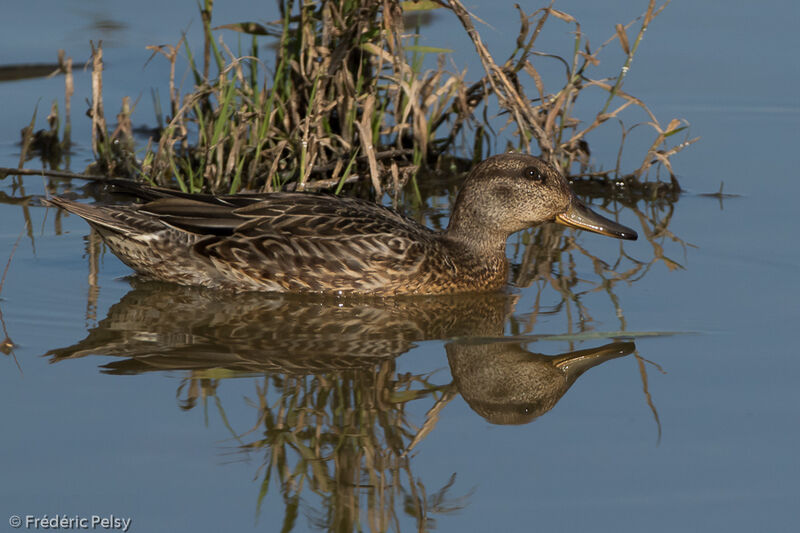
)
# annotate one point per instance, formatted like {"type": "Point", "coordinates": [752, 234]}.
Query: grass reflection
{"type": "Point", "coordinates": [345, 436]}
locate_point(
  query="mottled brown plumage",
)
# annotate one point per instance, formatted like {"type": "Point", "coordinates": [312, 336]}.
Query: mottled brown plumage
{"type": "Point", "coordinates": [298, 242]}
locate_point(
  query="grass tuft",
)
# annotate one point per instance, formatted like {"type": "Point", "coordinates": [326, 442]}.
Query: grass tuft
{"type": "Point", "coordinates": [347, 102]}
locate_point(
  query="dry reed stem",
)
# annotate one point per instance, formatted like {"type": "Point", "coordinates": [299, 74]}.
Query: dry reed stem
{"type": "Point", "coordinates": [69, 90]}
{"type": "Point", "coordinates": [8, 171]}
{"type": "Point", "coordinates": [504, 89]}
{"type": "Point", "coordinates": [27, 138]}
{"type": "Point", "coordinates": [365, 131]}
{"type": "Point", "coordinates": [98, 119]}
{"type": "Point", "coordinates": [11, 256]}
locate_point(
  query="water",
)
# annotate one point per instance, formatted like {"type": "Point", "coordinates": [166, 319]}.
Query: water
{"type": "Point", "coordinates": [146, 430]}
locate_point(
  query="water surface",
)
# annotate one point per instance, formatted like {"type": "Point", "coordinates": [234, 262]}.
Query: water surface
{"type": "Point", "coordinates": [579, 399]}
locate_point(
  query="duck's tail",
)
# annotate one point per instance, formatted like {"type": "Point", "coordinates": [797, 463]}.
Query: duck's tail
{"type": "Point", "coordinates": [118, 220]}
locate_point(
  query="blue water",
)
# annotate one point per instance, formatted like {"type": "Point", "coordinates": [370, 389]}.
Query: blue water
{"type": "Point", "coordinates": [81, 441]}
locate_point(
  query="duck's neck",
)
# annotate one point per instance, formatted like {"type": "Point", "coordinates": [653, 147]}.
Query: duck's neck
{"type": "Point", "coordinates": [480, 237]}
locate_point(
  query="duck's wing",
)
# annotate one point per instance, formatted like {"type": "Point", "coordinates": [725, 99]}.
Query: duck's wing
{"type": "Point", "coordinates": [149, 193]}
{"type": "Point", "coordinates": [302, 242]}
{"type": "Point", "coordinates": [280, 241]}
{"type": "Point", "coordinates": [301, 214]}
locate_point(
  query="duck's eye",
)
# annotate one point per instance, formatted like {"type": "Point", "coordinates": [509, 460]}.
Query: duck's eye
{"type": "Point", "coordinates": [533, 173]}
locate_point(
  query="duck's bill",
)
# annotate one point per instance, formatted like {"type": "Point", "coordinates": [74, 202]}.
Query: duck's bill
{"type": "Point", "coordinates": [581, 217]}
{"type": "Point", "coordinates": [582, 360]}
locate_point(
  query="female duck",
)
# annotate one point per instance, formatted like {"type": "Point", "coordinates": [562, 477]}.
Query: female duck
{"type": "Point", "coordinates": [299, 242]}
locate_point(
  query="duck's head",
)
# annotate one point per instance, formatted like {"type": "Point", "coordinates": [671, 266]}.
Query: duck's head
{"type": "Point", "coordinates": [510, 192]}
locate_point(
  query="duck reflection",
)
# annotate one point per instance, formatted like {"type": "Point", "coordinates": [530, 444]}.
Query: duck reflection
{"type": "Point", "coordinates": [333, 422]}
{"type": "Point", "coordinates": [507, 384]}
{"type": "Point", "coordinates": [162, 326]}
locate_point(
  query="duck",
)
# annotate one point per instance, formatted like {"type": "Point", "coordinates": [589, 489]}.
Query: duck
{"type": "Point", "coordinates": [296, 242]}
